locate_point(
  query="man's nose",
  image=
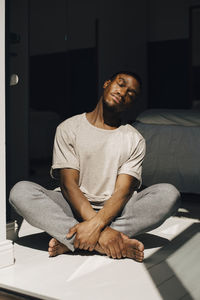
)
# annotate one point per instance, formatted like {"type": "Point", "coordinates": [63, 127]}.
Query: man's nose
{"type": "Point", "coordinates": [122, 91]}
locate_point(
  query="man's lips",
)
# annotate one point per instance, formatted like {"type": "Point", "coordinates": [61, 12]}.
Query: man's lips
{"type": "Point", "coordinates": [116, 99]}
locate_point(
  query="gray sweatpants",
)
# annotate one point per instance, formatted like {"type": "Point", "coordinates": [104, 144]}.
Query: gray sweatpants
{"type": "Point", "coordinates": [49, 211]}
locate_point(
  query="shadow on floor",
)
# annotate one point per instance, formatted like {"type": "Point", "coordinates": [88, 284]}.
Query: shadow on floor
{"type": "Point", "coordinates": [175, 268]}
{"type": "Point", "coordinates": [190, 206]}
{"type": "Point", "coordinates": [41, 240]}
{"type": "Point", "coordinates": [11, 295]}
{"type": "Point", "coordinates": [37, 241]}
{"type": "Point", "coordinates": [152, 241]}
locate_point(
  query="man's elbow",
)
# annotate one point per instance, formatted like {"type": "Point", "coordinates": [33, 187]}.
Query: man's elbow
{"type": "Point", "coordinates": [129, 193]}
{"type": "Point", "coordinates": [132, 188]}
{"type": "Point", "coordinates": [68, 187]}
{"type": "Point", "coordinates": [68, 180]}
{"type": "Point", "coordinates": [125, 193]}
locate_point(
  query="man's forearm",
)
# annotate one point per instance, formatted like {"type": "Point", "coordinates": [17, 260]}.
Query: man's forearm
{"type": "Point", "coordinates": [124, 188]}
{"type": "Point", "coordinates": [79, 203]}
{"type": "Point", "coordinates": [83, 208]}
{"type": "Point", "coordinates": [112, 207]}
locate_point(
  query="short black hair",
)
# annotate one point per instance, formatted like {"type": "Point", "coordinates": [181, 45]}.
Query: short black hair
{"type": "Point", "coordinates": [130, 73]}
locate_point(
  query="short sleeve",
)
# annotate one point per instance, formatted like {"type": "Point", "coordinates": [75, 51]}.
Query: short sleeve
{"type": "Point", "coordinates": [133, 165]}
{"type": "Point", "coordinates": [64, 151]}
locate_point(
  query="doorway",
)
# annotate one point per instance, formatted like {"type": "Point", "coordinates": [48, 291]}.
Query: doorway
{"type": "Point", "coordinates": [52, 86]}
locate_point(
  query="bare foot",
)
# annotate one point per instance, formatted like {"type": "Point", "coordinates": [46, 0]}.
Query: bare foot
{"type": "Point", "coordinates": [56, 248]}
{"type": "Point", "coordinates": [134, 248]}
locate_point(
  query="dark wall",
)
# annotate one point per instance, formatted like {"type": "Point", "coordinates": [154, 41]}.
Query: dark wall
{"type": "Point", "coordinates": [168, 74]}
{"type": "Point", "coordinates": [65, 83]}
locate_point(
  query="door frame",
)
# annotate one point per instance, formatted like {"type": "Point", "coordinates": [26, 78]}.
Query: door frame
{"type": "Point", "coordinates": [6, 247]}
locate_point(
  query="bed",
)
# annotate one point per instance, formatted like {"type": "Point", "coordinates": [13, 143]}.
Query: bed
{"type": "Point", "coordinates": [173, 148]}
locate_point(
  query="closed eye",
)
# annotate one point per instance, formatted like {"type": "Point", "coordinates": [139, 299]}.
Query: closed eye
{"type": "Point", "coordinates": [132, 94]}
{"type": "Point", "coordinates": [121, 84]}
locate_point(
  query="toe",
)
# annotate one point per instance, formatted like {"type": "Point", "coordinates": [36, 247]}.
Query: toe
{"type": "Point", "coordinates": [140, 247]}
{"type": "Point", "coordinates": [139, 259]}
{"type": "Point", "coordinates": [51, 252]}
{"type": "Point", "coordinates": [53, 242]}
{"type": "Point", "coordinates": [138, 253]}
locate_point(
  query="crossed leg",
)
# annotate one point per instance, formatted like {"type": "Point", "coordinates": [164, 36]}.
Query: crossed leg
{"type": "Point", "coordinates": [44, 209]}
{"type": "Point", "coordinates": [147, 209]}
{"type": "Point", "coordinates": [143, 212]}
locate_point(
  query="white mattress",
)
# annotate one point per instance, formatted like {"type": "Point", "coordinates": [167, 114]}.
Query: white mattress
{"type": "Point", "coordinates": [183, 117]}
{"type": "Point", "coordinates": [173, 149]}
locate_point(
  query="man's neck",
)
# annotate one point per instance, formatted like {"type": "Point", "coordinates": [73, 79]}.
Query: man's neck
{"type": "Point", "coordinates": [103, 118]}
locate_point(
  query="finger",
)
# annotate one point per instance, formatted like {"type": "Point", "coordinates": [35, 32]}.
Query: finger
{"type": "Point", "coordinates": [117, 250]}
{"type": "Point", "coordinates": [122, 248]}
{"type": "Point", "coordinates": [71, 232]}
{"type": "Point", "coordinates": [86, 247]}
{"type": "Point", "coordinates": [81, 246]}
{"type": "Point", "coordinates": [76, 243]}
{"type": "Point", "coordinates": [106, 250]}
{"type": "Point", "coordinates": [112, 251]}
{"type": "Point", "coordinates": [91, 248]}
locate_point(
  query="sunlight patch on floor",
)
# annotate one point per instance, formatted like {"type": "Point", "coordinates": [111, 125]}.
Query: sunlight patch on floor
{"type": "Point", "coordinates": [168, 272]}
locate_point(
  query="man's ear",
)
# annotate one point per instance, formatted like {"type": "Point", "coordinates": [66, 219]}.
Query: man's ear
{"type": "Point", "coordinates": [106, 83]}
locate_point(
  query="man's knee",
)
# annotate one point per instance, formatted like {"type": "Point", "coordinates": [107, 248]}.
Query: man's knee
{"type": "Point", "coordinates": [172, 196]}
{"type": "Point", "coordinates": [18, 192]}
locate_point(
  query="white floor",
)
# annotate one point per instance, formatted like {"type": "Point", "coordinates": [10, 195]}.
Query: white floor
{"type": "Point", "coordinates": [171, 269]}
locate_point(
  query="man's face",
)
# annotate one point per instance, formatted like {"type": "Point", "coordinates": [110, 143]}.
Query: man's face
{"type": "Point", "coordinates": [120, 93]}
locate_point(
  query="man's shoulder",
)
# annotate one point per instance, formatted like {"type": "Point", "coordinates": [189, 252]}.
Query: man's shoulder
{"type": "Point", "coordinates": [132, 132]}
{"type": "Point", "coordinates": [134, 138]}
{"type": "Point", "coordinates": [72, 122]}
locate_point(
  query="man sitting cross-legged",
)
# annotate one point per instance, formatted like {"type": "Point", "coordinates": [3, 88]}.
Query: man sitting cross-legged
{"type": "Point", "coordinates": [98, 163]}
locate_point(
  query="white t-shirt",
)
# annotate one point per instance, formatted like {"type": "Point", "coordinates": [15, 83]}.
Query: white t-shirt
{"type": "Point", "coordinates": [98, 154]}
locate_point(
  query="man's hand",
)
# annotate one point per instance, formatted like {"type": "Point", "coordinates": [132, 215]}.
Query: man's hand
{"type": "Point", "coordinates": [87, 234]}
{"type": "Point", "coordinates": [112, 243]}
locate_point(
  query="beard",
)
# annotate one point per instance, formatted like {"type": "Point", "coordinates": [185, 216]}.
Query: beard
{"type": "Point", "coordinates": [111, 107]}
